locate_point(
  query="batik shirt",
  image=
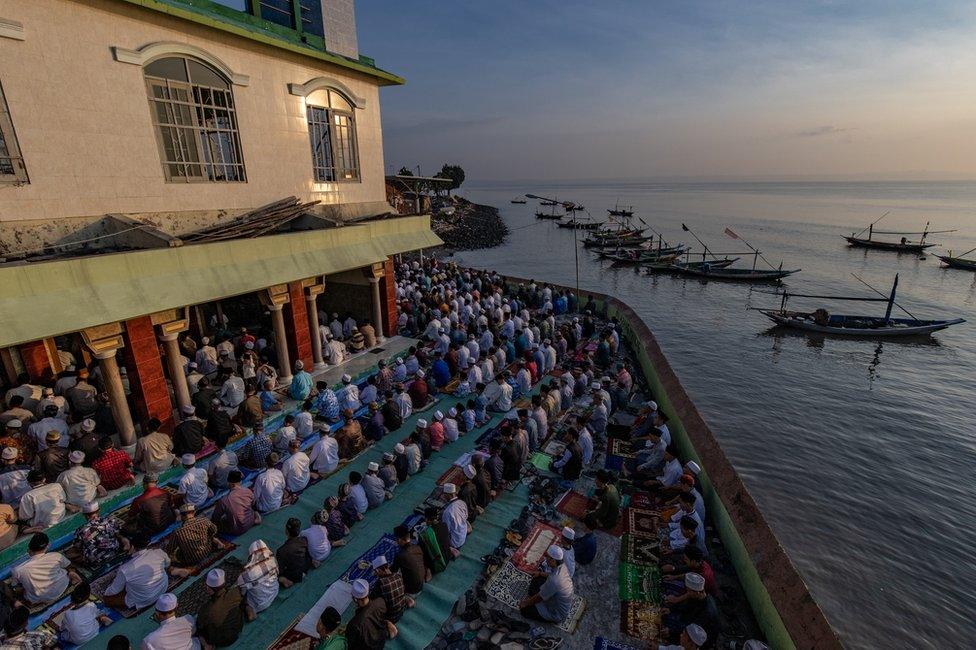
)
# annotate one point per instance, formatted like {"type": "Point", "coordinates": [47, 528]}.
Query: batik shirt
{"type": "Point", "coordinates": [99, 540]}
{"type": "Point", "coordinates": [327, 405]}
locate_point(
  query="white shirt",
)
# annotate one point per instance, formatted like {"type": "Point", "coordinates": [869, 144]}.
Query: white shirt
{"type": "Point", "coordinates": [269, 488]}
{"type": "Point", "coordinates": [284, 437]}
{"type": "Point", "coordinates": [143, 578]}
{"type": "Point", "coordinates": [450, 429]}
{"type": "Point", "coordinates": [14, 485]}
{"type": "Point", "coordinates": [586, 445]}
{"type": "Point", "coordinates": [44, 577]}
{"type": "Point", "coordinates": [232, 393]}
{"type": "Point", "coordinates": [38, 431]}
{"type": "Point", "coordinates": [474, 375]}
{"type": "Point", "coordinates": [348, 397]}
{"type": "Point", "coordinates": [368, 394]}
{"type": "Point", "coordinates": [81, 625]}
{"type": "Point", "coordinates": [173, 634]}
{"type": "Point", "coordinates": [499, 396]}
{"type": "Point", "coordinates": [193, 485]}
{"type": "Point", "coordinates": [358, 494]}
{"type": "Point", "coordinates": [456, 517]}
{"type": "Point", "coordinates": [406, 406]}
{"type": "Point", "coordinates": [296, 471]}
{"type": "Point", "coordinates": [79, 484]}
{"type": "Point", "coordinates": [303, 424]}
{"type": "Point", "coordinates": [318, 542]}
{"type": "Point", "coordinates": [221, 466]}
{"type": "Point", "coordinates": [325, 455]}
{"type": "Point", "coordinates": [43, 506]}
{"type": "Point", "coordinates": [671, 473]}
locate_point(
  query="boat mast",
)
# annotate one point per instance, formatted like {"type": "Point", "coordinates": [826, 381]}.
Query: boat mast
{"type": "Point", "coordinates": [891, 300]}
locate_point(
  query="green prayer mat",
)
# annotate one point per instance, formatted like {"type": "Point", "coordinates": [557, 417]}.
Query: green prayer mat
{"type": "Point", "coordinates": [639, 583]}
{"type": "Point", "coordinates": [541, 460]}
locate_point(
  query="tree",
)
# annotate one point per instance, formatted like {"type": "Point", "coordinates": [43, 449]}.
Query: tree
{"type": "Point", "coordinates": [453, 172]}
{"type": "Point", "coordinates": [404, 172]}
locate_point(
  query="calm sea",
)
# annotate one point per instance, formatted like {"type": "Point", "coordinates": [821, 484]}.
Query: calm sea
{"type": "Point", "coordinates": [862, 455]}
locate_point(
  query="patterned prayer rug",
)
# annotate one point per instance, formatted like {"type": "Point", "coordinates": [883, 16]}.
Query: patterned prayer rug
{"type": "Point", "coordinates": [573, 504]}
{"type": "Point", "coordinates": [639, 583]}
{"type": "Point", "coordinates": [362, 567]}
{"type": "Point", "coordinates": [292, 639]}
{"type": "Point", "coordinates": [454, 474]}
{"type": "Point", "coordinates": [601, 643]}
{"type": "Point", "coordinates": [640, 620]}
{"type": "Point", "coordinates": [533, 548]}
{"type": "Point", "coordinates": [554, 448]}
{"type": "Point", "coordinates": [642, 500]}
{"type": "Point", "coordinates": [540, 460]}
{"type": "Point", "coordinates": [508, 585]}
{"type": "Point", "coordinates": [643, 523]}
{"type": "Point", "coordinates": [193, 597]}
{"type": "Point", "coordinates": [621, 448]}
{"type": "Point", "coordinates": [641, 551]}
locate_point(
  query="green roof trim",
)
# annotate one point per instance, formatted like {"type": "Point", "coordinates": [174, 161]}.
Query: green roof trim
{"type": "Point", "coordinates": [216, 16]}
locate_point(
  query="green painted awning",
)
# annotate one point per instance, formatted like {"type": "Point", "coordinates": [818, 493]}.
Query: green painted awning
{"type": "Point", "coordinates": [51, 298]}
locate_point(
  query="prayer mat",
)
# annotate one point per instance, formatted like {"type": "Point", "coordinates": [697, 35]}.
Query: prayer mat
{"type": "Point", "coordinates": [640, 551]}
{"type": "Point", "coordinates": [454, 474]}
{"type": "Point", "coordinates": [362, 567]}
{"type": "Point", "coordinates": [601, 643]}
{"type": "Point", "coordinates": [573, 504]}
{"type": "Point", "coordinates": [533, 548]}
{"type": "Point", "coordinates": [292, 639]}
{"type": "Point", "coordinates": [207, 449]}
{"type": "Point", "coordinates": [621, 448]}
{"type": "Point", "coordinates": [523, 403]}
{"type": "Point", "coordinates": [639, 583]}
{"type": "Point", "coordinates": [554, 448]}
{"type": "Point", "coordinates": [640, 620]}
{"type": "Point", "coordinates": [642, 500]}
{"type": "Point", "coordinates": [193, 597]}
{"type": "Point", "coordinates": [643, 523]}
{"type": "Point", "coordinates": [540, 460]}
{"type": "Point", "coordinates": [508, 585]}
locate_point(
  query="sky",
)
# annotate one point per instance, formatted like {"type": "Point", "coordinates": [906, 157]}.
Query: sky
{"type": "Point", "coordinates": [612, 89]}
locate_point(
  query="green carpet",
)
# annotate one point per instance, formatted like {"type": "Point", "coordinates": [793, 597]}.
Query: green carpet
{"type": "Point", "coordinates": [295, 601]}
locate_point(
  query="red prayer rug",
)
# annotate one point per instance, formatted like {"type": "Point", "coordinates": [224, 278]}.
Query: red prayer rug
{"type": "Point", "coordinates": [642, 523]}
{"type": "Point", "coordinates": [573, 504]}
{"type": "Point", "coordinates": [533, 548]}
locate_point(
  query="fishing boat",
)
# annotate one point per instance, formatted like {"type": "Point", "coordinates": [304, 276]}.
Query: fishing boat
{"type": "Point", "coordinates": [580, 225]}
{"type": "Point", "coordinates": [553, 216]}
{"type": "Point", "coordinates": [618, 211]}
{"type": "Point", "coordinates": [548, 202]}
{"type": "Point", "coordinates": [706, 271]}
{"type": "Point", "coordinates": [958, 262]}
{"type": "Point", "coordinates": [519, 199]}
{"type": "Point", "coordinates": [669, 267]}
{"type": "Point", "coordinates": [823, 322]}
{"type": "Point", "coordinates": [624, 242]}
{"type": "Point", "coordinates": [627, 260]}
{"type": "Point", "coordinates": [569, 206]}
{"type": "Point", "coordinates": [904, 245]}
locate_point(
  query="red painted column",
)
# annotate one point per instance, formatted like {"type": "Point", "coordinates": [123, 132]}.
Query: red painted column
{"type": "Point", "coordinates": [150, 394]}
{"type": "Point", "coordinates": [389, 308]}
{"type": "Point", "coordinates": [36, 361]}
{"type": "Point", "coordinates": [296, 325]}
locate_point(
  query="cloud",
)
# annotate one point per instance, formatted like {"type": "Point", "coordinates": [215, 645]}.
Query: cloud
{"type": "Point", "coordinates": [820, 131]}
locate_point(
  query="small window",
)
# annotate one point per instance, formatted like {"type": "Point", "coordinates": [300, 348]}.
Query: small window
{"type": "Point", "coordinates": [195, 121]}
{"type": "Point", "coordinates": [12, 169]}
{"type": "Point", "coordinates": [332, 133]}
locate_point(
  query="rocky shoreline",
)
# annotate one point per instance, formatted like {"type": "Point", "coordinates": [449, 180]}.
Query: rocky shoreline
{"type": "Point", "coordinates": [466, 226]}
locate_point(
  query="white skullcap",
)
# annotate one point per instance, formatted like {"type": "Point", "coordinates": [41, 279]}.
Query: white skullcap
{"type": "Point", "coordinates": [378, 561]}
{"type": "Point", "coordinates": [696, 634]}
{"type": "Point", "coordinates": [346, 379]}
{"type": "Point", "coordinates": [249, 345]}
{"type": "Point", "coordinates": [9, 453]}
{"type": "Point", "coordinates": [421, 373]}
{"type": "Point", "coordinates": [556, 553]}
{"type": "Point", "coordinates": [452, 411]}
{"type": "Point", "coordinates": [216, 578]}
{"type": "Point", "coordinates": [257, 545]}
{"type": "Point", "coordinates": [449, 488]}
{"type": "Point", "coordinates": [188, 409]}
{"type": "Point", "coordinates": [166, 603]}
{"type": "Point", "coordinates": [651, 404]}
{"type": "Point", "coordinates": [569, 533]}
{"type": "Point", "coordinates": [360, 588]}
{"type": "Point", "coordinates": [15, 423]}
{"type": "Point", "coordinates": [399, 448]}
{"type": "Point", "coordinates": [372, 467]}
{"type": "Point", "coordinates": [88, 424]}
{"type": "Point", "coordinates": [77, 457]}
{"type": "Point", "coordinates": [90, 507]}
{"type": "Point", "coordinates": [693, 467]}
{"type": "Point", "coordinates": [695, 582]}
{"type": "Point", "coordinates": [438, 415]}
{"type": "Point", "coordinates": [188, 459]}
{"type": "Point", "coordinates": [470, 471]}
{"type": "Point", "coordinates": [422, 423]}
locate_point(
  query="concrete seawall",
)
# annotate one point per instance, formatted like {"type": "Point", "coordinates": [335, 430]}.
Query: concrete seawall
{"type": "Point", "coordinates": [780, 600]}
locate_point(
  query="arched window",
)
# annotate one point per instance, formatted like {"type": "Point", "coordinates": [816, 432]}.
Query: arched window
{"type": "Point", "coordinates": [332, 133]}
{"type": "Point", "coordinates": [195, 121]}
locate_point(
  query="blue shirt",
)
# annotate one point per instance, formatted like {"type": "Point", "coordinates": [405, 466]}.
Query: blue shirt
{"type": "Point", "coordinates": [584, 548]}
{"type": "Point", "coordinates": [327, 404]}
{"type": "Point", "coordinates": [301, 385]}
{"type": "Point", "coordinates": [441, 373]}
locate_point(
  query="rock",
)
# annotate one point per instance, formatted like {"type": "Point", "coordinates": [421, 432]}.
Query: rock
{"type": "Point", "coordinates": [475, 624]}
{"type": "Point", "coordinates": [484, 634]}
{"type": "Point", "coordinates": [458, 626]}
{"type": "Point", "coordinates": [512, 646]}
{"type": "Point", "coordinates": [497, 637]}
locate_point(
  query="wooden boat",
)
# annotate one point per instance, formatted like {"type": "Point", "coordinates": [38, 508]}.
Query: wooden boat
{"type": "Point", "coordinates": [618, 211]}
{"type": "Point", "coordinates": [625, 260]}
{"type": "Point", "coordinates": [823, 322]}
{"type": "Point", "coordinates": [519, 199]}
{"type": "Point", "coordinates": [629, 242]}
{"type": "Point", "coordinates": [580, 225]}
{"type": "Point", "coordinates": [548, 202]}
{"type": "Point", "coordinates": [735, 275]}
{"type": "Point", "coordinates": [667, 267]}
{"type": "Point", "coordinates": [553, 216]}
{"type": "Point", "coordinates": [904, 245]}
{"type": "Point", "coordinates": [958, 262]}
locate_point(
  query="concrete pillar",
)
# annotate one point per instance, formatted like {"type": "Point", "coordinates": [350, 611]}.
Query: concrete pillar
{"type": "Point", "coordinates": [180, 388]}
{"type": "Point", "coordinates": [311, 306]}
{"type": "Point", "coordinates": [9, 366]}
{"type": "Point", "coordinates": [281, 343]}
{"type": "Point", "coordinates": [116, 396]}
{"type": "Point", "coordinates": [377, 309]}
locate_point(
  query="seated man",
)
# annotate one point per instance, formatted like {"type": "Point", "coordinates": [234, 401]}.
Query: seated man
{"type": "Point", "coordinates": [18, 636]}
{"type": "Point", "coordinates": [694, 606]}
{"type": "Point", "coordinates": [551, 597]}
{"type": "Point", "coordinates": [141, 580]}
{"type": "Point", "coordinates": [44, 577]}
{"type": "Point", "coordinates": [235, 513]}
{"type": "Point", "coordinates": [328, 629]}
{"type": "Point", "coordinates": [152, 511]}
{"type": "Point", "coordinates": [44, 505]}
{"type": "Point", "coordinates": [435, 542]}
{"type": "Point", "coordinates": [374, 487]}
{"type": "Point", "coordinates": [154, 451]}
{"type": "Point", "coordinates": [607, 511]}
{"type": "Point", "coordinates": [369, 626]}
{"type": "Point", "coordinates": [221, 617]}
{"type": "Point", "coordinates": [81, 484]}
{"type": "Point", "coordinates": [350, 437]}
{"type": "Point", "coordinates": [294, 559]}
{"type": "Point", "coordinates": [409, 561]}
{"type": "Point", "coordinates": [193, 484]}
{"type": "Point", "coordinates": [270, 401]}
{"type": "Point", "coordinates": [419, 392]}
{"type": "Point", "coordinates": [53, 459]}
{"type": "Point", "coordinates": [325, 454]}
{"type": "Point", "coordinates": [193, 541]}
{"type": "Point", "coordinates": [256, 449]}
{"type": "Point", "coordinates": [296, 468]}
{"type": "Point", "coordinates": [100, 538]}
{"type": "Point", "coordinates": [269, 486]}
{"type": "Point", "coordinates": [455, 515]}
{"type": "Point", "coordinates": [172, 632]}
{"type": "Point", "coordinates": [389, 587]}
{"type": "Point", "coordinates": [113, 465]}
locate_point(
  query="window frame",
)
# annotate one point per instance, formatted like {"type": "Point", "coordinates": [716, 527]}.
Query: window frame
{"type": "Point", "coordinates": [14, 156]}
{"type": "Point", "coordinates": [341, 147]}
{"type": "Point", "coordinates": [187, 105]}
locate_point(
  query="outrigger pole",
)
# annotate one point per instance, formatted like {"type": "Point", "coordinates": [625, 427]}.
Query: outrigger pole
{"type": "Point", "coordinates": [890, 298]}
{"type": "Point", "coordinates": [758, 253]}
{"type": "Point", "coordinates": [704, 245]}
{"type": "Point", "coordinates": [870, 227]}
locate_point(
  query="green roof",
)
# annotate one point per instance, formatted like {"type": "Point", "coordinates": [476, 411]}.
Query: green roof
{"type": "Point", "coordinates": [226, 19]}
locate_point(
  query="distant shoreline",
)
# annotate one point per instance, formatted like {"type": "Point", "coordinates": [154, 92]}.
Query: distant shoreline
{"type": "Point", "coordinates": [472, 226]}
